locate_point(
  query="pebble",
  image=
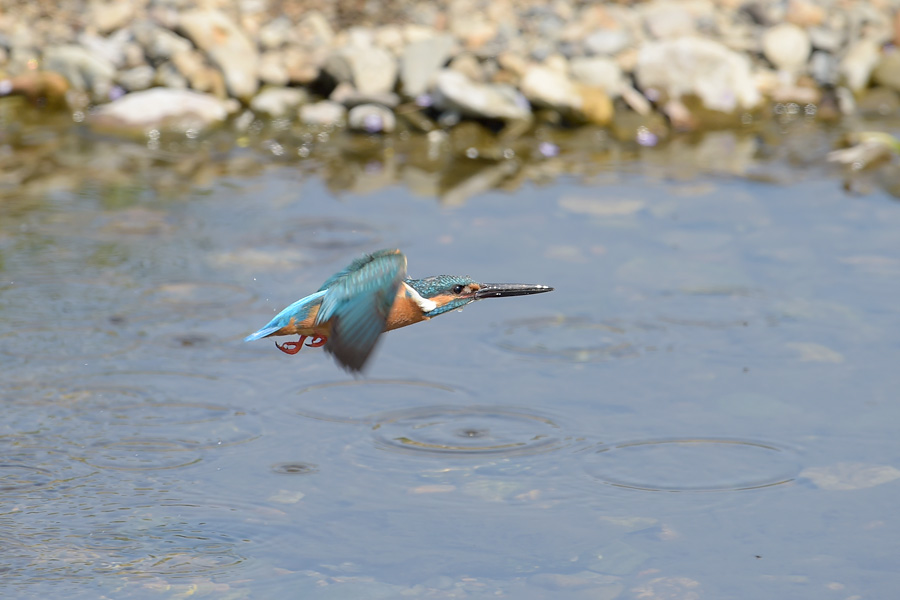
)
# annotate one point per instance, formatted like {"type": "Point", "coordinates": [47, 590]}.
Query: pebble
{"type": "Point", "coordinates": [323, 114]}
{"type": "Point", "coordinates": [598, 71]}
{"type": "Point", "coordinates": [136, 79]}
{"type": "Point", "coordinates": [787, 46]}
{"type": "Point", "coordinates": [278, 102]}
{"type": "Point", "coordinates": [371, 118]}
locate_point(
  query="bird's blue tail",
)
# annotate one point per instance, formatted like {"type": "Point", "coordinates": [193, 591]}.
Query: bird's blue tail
{"type": "Point", "coordinates": [261, 333]}
{"type": "Point", "coordinates": [298, 311]}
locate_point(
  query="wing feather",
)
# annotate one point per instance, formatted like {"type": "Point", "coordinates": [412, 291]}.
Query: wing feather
{"type": "Point", "coordinates": [357, 302]}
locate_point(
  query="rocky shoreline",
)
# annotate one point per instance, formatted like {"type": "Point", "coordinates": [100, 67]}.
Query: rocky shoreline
{"type": "Point", "coordinates": [146, 65]}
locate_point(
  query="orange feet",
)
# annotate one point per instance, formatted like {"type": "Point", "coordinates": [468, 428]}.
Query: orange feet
{"type": "Point", "coordinates": [295, 347]}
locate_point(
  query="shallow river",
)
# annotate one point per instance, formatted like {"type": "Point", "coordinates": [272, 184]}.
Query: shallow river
{"type": "Point", "coordinates": [705, 407]}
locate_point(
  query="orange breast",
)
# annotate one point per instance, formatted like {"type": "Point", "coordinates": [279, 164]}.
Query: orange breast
{"type": "Point", "coordinates": [404, 311]}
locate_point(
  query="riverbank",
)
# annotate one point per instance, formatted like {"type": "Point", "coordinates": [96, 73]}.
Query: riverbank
{"type": "Point", "coordinates": [384, 66]}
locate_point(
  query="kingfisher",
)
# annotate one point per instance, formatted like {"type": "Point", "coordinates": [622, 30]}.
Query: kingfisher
{"type": "Point", "coordinates": [370, 296]}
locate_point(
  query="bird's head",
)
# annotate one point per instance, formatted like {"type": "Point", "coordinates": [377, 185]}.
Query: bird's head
{"type": "Point", "coordinates": [450, 292]}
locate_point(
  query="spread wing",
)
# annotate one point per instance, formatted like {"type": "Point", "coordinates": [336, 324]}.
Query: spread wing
{"type": "Point", "coordinates": [357, 302]}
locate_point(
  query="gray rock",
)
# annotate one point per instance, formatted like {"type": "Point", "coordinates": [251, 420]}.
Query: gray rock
{"type": "Point", "coordinates": [607, 42]}
{"type": "Point", "coordinates": [824, 68]}
{"type": "Point", "coordinates": [720, 77]}
{"type": "Point", "coordinates": [787, 47]}
{"type": "Point", "coordinates": [370, 69]}
{"type": "Point", "coordinates": [136, 79]}
{"type": "Point", "coordinates": [227, 47]}
{"type": "Point", "coordinates": [159, 44]}
{"type": "Point", "coordinates": [323, 114]}
{"type": "Point", "coordinates": [858, 63]}
{"type": "Point", "coordinates": [161, 108]}
{"type": "Point", "coordinates": [168, 75]}
{"type": "Point", "coordinates": [111, 48]}
{"type": "Point", "coordinates": [371, 118]}
{"type": "Point", "coordinates": [598, 71]}
{"type": "Point", "coordinates": [421, 61]}
{"type": "Point", "coordinates": [278, 101]}
{"type": "Point", "coordinates": [455, 91]}
{"type": "Point", "coordinates": [85, 70]}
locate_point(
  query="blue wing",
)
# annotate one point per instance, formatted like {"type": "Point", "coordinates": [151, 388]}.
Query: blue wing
{"type": "Point", "coordinates": [299, 310]}
{"type": "Point", "coordinates": [357, 302]}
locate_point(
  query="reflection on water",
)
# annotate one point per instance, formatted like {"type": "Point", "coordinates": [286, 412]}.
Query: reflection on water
{"type": "Point", "coordinates": [720, 322]}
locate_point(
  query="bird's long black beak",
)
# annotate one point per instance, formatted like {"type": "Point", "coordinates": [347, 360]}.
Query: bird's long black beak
{"type": "Point", "coordinates": [500, 290]}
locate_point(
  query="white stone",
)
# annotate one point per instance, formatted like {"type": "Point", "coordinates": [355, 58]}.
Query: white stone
{"type": "Point", "coordinates": [787, 47]}
{"type": "Point", "coordinates": [163, 108]}
{"type": "Point", "coordinates": [548, 87]}
{"type": "Point", "coordinates": [455, 91]}
{"type": "Point", "coordinates": [720, 77]}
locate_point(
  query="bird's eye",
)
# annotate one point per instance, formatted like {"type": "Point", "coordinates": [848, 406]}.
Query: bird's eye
{"type": "Point", "coordinates": [457, 289]}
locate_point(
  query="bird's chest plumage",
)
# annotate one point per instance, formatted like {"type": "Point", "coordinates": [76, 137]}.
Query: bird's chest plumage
{"type": "Point", "coordinates": [405, 311]}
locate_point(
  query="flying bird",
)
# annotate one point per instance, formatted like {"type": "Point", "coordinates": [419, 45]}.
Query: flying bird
{"type": "Point", "coordinates": [373, 295]}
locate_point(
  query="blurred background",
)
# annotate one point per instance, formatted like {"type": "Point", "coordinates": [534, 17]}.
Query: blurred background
{"type": "Point", "coordinates": [705, 407]}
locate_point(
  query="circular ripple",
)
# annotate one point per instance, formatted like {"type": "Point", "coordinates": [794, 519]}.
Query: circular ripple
{"type": "Point", "coordinates": [71, 343]}
{"type": "Point", "coordinates": [692, 465]}
{"type": "Point", "coordinates": [147, 454]}
{"type": "Point", "coordinates": [352, 401]}
{"type": "Point", "coordinates": [467, 431]}
{"type": "Point", "coordinates": [578, 339]}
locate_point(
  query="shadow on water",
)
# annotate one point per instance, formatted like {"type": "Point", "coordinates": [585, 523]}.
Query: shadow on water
{"type": "Point", "coordinates": [705, 406]}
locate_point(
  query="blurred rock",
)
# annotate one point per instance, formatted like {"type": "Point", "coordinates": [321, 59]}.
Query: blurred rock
{"type": "Point", "coordinates": [84, 70]}
{"type": "Point", "coordinates": [887, 70]}
{"type": "Point", "coordinates": [858, 63]}
{"type": "Point", "coordinates": [136, 79]}
{"type": "Point", "coordinates": [278, 102]}
{"type": "Point", "coordinates": [599, 72]}
{"type": "Point", "coordinates": [323, 114]}
{"type": "Point", "coordinates": [787, 47]}
{"type": "Point", "coordinates": [370, 69]}
{"type": "Point", "coordinates": [109, 16]}
{"type": "Point", "coordinates": [720, 77]}
{"type": "Point", "coordinates": [162, 109]}
{"type": "Point", "coordinates": [421, 60]}
{"type": "Point", "coordinates": [455, 91]}
{"type": "Point", "coordinates": [227, 46]}
{"type": "Point", "coordinates": [371, 118]}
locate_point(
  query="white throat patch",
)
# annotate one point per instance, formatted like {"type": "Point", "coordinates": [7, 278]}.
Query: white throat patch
{"type": "Point", "coordinates": [424, 303]}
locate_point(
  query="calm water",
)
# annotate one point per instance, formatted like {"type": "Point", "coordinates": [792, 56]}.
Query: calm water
{"type": "Point", "coordinates": [706, 407]}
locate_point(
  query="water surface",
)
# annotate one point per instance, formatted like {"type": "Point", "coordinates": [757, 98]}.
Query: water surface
{"type": "Point", "coordinates": [704, 408]}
